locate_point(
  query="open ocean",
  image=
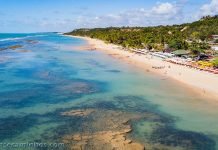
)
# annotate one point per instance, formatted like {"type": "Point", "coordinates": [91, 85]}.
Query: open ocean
{"type": "Point", "coordinates": [43, 76]}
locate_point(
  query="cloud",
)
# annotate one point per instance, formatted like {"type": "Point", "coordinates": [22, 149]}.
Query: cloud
{"type": "Point", "coordinates": [164, 8]}
{"type": "Point", "coordinates": [161, 13]}
{"type": "Point", "coordinates": [209, 9]}
{"type": "Point", "coordinates": [56, 12]}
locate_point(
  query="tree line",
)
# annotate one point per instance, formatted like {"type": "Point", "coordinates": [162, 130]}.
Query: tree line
{"type": "Point", "coordinates": [189, 36]}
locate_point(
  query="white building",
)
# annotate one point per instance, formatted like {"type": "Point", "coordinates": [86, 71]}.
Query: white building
{"type": "Point", "coordinates": [214, 48]}
{"type": "Point", "coordinates": [215, 37]}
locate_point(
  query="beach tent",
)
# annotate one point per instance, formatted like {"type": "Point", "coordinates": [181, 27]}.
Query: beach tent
{"type": "Point", "coordinates": [180, 52]}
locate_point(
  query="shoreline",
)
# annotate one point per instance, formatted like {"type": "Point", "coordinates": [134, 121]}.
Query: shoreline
{"type": "Point", "coordinates": [204, 83]}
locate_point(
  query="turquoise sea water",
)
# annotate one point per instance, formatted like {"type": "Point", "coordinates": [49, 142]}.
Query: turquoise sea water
{"type": "Point", "coordinates": [46, 75]}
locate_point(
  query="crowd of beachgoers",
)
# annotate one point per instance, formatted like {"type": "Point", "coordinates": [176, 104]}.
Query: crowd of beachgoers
{"type": "Point", "coordinates": [188, 62]}
{"type": "Point", "coordinates": [172, 58]}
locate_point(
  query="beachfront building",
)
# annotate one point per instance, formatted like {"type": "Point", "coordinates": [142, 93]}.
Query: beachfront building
{"type": "Point", "coordinates": [163, 55]}
{"type": "Point", "coordinates": [180, 53]}
{"type": "Point", "coordinates": [215, 37]}
{"type": "Point", "coordinates": [214, 48]}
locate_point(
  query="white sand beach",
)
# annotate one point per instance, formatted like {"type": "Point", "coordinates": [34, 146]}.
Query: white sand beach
{"type": "Point", "coordinates": [202, 82]}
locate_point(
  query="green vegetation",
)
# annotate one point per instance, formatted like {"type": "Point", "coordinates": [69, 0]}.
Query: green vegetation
{"type": "Point", "coordinates": [215, 62]}
{"type": "Point", "coordinates": [191, 36]}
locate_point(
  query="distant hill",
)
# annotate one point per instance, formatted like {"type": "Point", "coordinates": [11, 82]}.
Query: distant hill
{"type": "Point", "coordinates": [190, 36]}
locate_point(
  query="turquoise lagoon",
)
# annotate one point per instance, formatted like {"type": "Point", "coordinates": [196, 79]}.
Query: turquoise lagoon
{"type": "Point", "coordinates": [46, 75]}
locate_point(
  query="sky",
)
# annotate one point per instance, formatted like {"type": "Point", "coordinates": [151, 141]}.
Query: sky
{"type": "Point", "coordinates": [66, 15]}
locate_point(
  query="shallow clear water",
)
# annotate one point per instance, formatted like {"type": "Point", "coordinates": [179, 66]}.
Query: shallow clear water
{"type": "Point", "coordinates": [45, 76]}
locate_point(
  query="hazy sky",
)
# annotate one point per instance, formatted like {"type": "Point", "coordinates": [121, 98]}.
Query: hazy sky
{"type": "Point", "coordinates": [66, 15]}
